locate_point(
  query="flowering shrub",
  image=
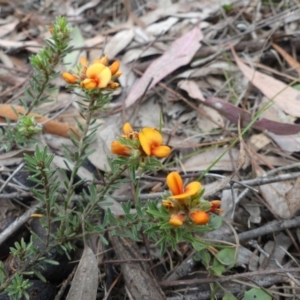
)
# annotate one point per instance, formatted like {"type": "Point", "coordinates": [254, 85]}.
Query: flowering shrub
{"type": "Point", "coordinates": [181, 214]}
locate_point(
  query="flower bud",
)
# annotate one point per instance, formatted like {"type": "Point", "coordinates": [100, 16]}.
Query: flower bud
{"type": "Point", "coordinates": [69, 78]}
{"type": "Point", "coordinates": [199, 217]}
{"type": "Point", "coordinates": [176, 220]}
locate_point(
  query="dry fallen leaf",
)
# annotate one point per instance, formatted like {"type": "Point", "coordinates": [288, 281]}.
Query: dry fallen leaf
{"type": "Point", "coordinates": [192, 88]}
{"type": "Point", "coordinates": [233, 113]}
{"type": "Point", "coordinates": [118, 42]}
{"type": "Point", "coordinates": [85, 282]}
{"type": "Point", "coordinates": [162, 27]}
{"type": "Point", "coordinates": [290, 59]}
{"type": "Point", "coordinates": [179, 54]}
{"type": "Point", "coordinates": [286, 97]}
{"type": "Point", "coordinates": [288, 143]}
{"type": "Point", "coordinates": [7, 28]}
{"type": "Point", "coordinates": [274, 195]}
{"type": "Point", "coordinates": [292, 198]}
{"type": "Point", "coordinates": [202, 161]}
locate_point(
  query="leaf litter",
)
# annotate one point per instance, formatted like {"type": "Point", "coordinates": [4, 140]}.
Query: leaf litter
{"type": "Point", "coordinates": [195, 69]}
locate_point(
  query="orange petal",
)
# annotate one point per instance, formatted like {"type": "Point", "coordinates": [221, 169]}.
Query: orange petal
{"type": "Point", "coordinates": [118, 74]}
{"type": "Point", "coordinates": [161, 151]}
{"type": "Point", "coordinates": [149, 138]}
{"type": "Point", "coordinates": [176, 220]}
{"type": "Point", "coordinates": [69, 78]}
{"type": "Point", "coordinates": [104, 78]}
{"type": "Point", "coordinates": [191, 189]}
{"type": "Point", "coordinates": [119, 149]}
{"type": "Point", "coordinates": [114, 67]}
{"type": "Point", "coordinates": [215, 204]}
{"type": "Point", "coordinates": [83, 62]}
{"type": "Point", "coordinates": [174, 182]}
{"type": "Point", "coordinates": [199, 217]}
{"type": "Point", "coordinates": [112, 85]}
{"type": "Point", "coordinates": [127, 128]}
{"type": "Point", "coordinates": [94, 70]}
{"type": "Point", "coordinates": [89, 84]}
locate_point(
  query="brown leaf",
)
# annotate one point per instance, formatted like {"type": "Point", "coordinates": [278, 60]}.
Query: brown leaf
{"type": "Point", "coordinates": [202, 161]}
{"type": "Point", "coordinates": [292, 198]}
{"type": "Point", "coordinates": [286, 97]}
{"type": "Point", "coordinates": [233, 113]}
{"type": "Point", "coordinates": [85, 281]}
{"type": "Point", "coordinates": [179, 54]}
{"type": "Point", "coordinates": [290, 59]}
{"type": "Point", "coordinates": [288, 143]}
{"type": "Point", "coordinates": [137, 275]}
{"type": "Point", "coordinates": [274, 195]}
{"type": "Point", "coordinates": [7, 28]}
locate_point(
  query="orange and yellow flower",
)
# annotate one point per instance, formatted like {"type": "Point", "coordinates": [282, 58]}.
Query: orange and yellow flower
{"type": "Point", "coordinates": [175, 184]}
{"type": "Point", "coordinates": [98, 75]}
{"type": "Point", "coordinates": [199, 217]}
{"type": "Point", "coordinates": [95, 76]}
{"type": "Point", "coordinates": [151, 142]}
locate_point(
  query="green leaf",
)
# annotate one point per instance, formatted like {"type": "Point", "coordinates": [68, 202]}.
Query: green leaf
{"type": "Point", "coordinates": [217, 268]}
{"type": "Point", "coordinates": [215, 221]}
{"type": "Point", "coordinates": [227, 256]}
{"type": "Point", "coordinates": [257, 294]}
{"type": "Point", "coordinates": [229, 296]}
{"type": "Point", "coordinates": [198, 246]}
{"type": "Point", "coordinates": [203, 256]}
{"type": "Point", "coordinates": [156, 213]}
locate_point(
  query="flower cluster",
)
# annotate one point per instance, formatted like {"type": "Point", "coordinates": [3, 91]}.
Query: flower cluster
{"type": "Point", "coordinates": [98, 75]}
{"type": "Point", "coordinates": [147, 142]}
{"type": "Point", "coordinates": [185, 204]}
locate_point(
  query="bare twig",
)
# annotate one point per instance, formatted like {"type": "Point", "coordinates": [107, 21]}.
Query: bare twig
{"type": "Point", "coordinates": [6, 233]}
{"type": "Point", "coordinates": [254, 244]}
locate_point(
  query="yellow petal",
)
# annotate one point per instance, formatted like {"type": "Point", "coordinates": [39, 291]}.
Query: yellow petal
{"type": "Point", "coordinates": [176, 220]}
{"type": "Point", "coordinates": [114, 67]}
{"type": "Point", "coordinates": [69, 78]}
{"type": "Point", "coordinates": [174, 182]}
{"type": "Point", "coordinates": [161, 151]}
{"type": "Point", "coordinates": [149, 138]}
{"type": "Point", "coordinates": [104, 78]}
{"type": "Point", "coordinates": [103, 60]}
{"type": "Point", "coordinates": [89, 84]}
{"type": "Point", "coordinates": [119, 149]}
{"type": "Point", "coordinates": [199, 217]}
{"type": "Point", "coordinates": [144, 143]}
{"type": "Point", "coordinates": [127, 128]}
{"type": "Point", "coordinates": [168, 204]}
{"type": "Point", "coordinates": [94, 70]}
{"type": "Point", "coordinates": [191, 190]}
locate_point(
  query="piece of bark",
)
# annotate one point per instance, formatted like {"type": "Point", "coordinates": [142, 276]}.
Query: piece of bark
{"type": "Point", "coordinates": [137, 276]}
